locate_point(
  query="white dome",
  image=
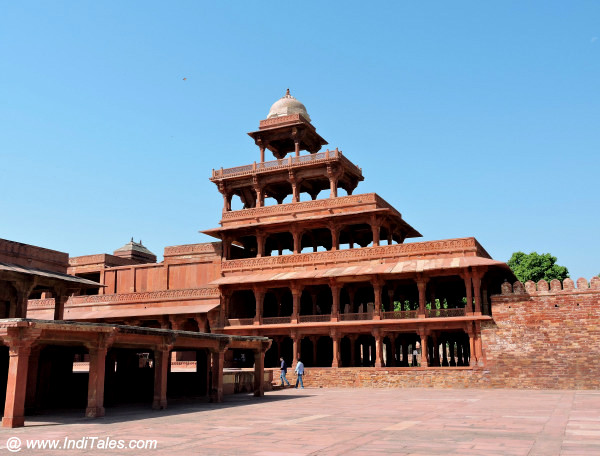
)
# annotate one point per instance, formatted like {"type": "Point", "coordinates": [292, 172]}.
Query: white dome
{"type": "Point", "coordinates": [286, 106]}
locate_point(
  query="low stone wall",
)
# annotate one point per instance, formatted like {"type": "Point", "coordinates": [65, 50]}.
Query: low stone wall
{"type": "Point", "coordinates": [392, 377]}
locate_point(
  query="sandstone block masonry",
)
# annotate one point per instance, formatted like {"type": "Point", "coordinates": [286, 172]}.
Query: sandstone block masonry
{"type": "Point", "coordinates": [544, 335]}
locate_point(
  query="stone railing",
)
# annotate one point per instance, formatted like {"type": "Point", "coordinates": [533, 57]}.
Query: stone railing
{"type": "Point", "coordinates": [241, 321]}
{"type": "Point", "coordinates": [413, 249]}
{"type": "Point", "coordinates": [356, 316]}
{"type": "Point", "coordinates": [399, 315]}
{"type": "Point", "coordinates": [276, 320]}
{"type": "Point", "coordinates": [286, 163]}
{"type": "Point", "coordinates": [437, 313]}
{"type": "Point", "coordinates": [351, 201]}
{"type": "Point", "coordinates": [313, 318]}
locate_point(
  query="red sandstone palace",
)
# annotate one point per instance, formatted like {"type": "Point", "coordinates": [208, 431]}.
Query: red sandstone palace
{"type": "Point", "coordinates": [330, 279]}
{"type": "Point", "coordinates": [299, 271]}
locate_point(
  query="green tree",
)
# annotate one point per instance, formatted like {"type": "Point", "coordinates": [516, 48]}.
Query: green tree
{"type": "Point", "coordinates": [535, 266]}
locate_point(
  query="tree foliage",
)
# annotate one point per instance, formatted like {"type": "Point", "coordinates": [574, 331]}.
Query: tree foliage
{"type": "Point", "coordinates": [535, 266]}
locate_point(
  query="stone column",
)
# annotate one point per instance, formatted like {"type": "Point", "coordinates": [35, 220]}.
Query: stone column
{"type": "Point", "coordinates": [378, 349]}
{"type": "Point", "coordinates": [478, 346]}
{"type": "Point", "coordinates": [377, 286]}
{"type": "Point", "coordinates": [486, 304]}
{"type": "Point", "coordinates": [161, 368]}
{"type": "Point", "coordinates": [218, 358]}
{"type": "Point", "coordinates": [335, 304]}
{"type": "Point", "coordinates": [16, 385]}
{"type": "Point", "coordinates": [296, 295]}
{"type": "Point", "coordinates": [259, 295]}
{"type": "Point", "coordinates": [262, 154]}
{"type": "Point", "coordinates": [424, 334]}
{"type": "Point", "coordinates": [375, 228]}
{"type": "Point", "coordinates": [297, 235]}
{"type": "Point", "coordinates": [295, 349]}
{"type": "Point", "coordinates": [95, 403]}
{"type": "Point", "coordinates": [472, 358]}
{"type": "Point", "coordinates": [422, 286]}
{"type": "Point", "coordinates": [335, 243]}
{"type": "Point", "coordinates": [469, 292]}
{"type": "Point", "coordinates": [60, 298]}
{"type": "Point", "coordinates": [335, 337]}
{"type": "Point", "coordinates": [332, 184]}
{"type": "Point", "coordinates": [297, 147]}
{"type": "Point", "coordinates": [259, 373]}
{"type": "Point", "coordinates": [477, 292]}
{"type": "Point", "coordinates": [260, 244]}
{"type": "Point", "coordinates": [260, 196]}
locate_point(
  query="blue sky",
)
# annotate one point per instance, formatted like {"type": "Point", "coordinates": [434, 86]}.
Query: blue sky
{"type": "Point", "coordinates": [472, 118]}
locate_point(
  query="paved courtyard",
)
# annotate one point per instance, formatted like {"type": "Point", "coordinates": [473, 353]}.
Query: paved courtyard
{"type": "Point", "coordinates": [342, 422]}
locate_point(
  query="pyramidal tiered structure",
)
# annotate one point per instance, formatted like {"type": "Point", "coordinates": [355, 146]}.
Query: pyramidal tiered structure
{"type": "Point", "coordinates": [331, 279]}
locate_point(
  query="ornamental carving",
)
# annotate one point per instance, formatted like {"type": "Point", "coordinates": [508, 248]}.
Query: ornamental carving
{"type": "Point", "coordinates": [351, 255]}
{"type": "Point", "coordinates": [353, 200]}
{"type": "Point", "coordinates": [191, 248]}
{"type": "Point", "coordinates": [146, 296]}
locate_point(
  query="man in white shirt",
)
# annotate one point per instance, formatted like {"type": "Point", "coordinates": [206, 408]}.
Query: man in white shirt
{"type": "Point", "coordinates": [300, 373]}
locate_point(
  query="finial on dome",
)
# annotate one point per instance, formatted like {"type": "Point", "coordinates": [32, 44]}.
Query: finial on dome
{"type": "Point", "coordinates": [287, 93]}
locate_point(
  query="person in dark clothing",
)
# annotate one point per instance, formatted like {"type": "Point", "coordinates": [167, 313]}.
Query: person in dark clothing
{"type": "Point", "coordinates": [283, 369]}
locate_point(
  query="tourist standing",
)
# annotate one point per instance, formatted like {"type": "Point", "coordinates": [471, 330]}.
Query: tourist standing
{"type": "Point", "coordinates": [300, 373]}
{"type": "Point", "coordinates": [283, 369]}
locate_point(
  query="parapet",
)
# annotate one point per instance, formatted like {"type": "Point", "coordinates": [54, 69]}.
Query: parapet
{"type": "Point", "coordinates": [555, 286]}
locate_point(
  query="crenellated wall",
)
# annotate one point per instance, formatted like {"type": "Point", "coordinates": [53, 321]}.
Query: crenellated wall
{"type": "Point", "coordinates": [544, 335]}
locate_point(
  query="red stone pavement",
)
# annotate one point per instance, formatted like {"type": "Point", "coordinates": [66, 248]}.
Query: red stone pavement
{"type": "Point", "coordinates": [344, 422]}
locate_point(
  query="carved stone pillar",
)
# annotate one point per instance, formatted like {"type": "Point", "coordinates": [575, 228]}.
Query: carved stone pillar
{"type": "Point", "coordinates": [375, 228]}
{"type": "Point", "coordinates": [95, 404]}
{"type": "Point", "coordinates": [295, 347]}
{"type": "Point", "coordinates": [296, 295]}
{"type": "Point", "coordinates": [424, 334]}
{"type": "Point", "coordinates": [16, 385]}
{"type": "Point", "coordinates": [377, 287]}
{"type": "Point", "coordinates": [259, 296]}
{"type": "Point", "coordinates": [469, 293]}
{"type": "Point", "coordinates": [477, 291]}
{"type": "Point", "coordinates": [162, 363]}
{"type": "Point", "coordinates": [335, 242]}
{"type": "Point", "coordinates": [444, 352]}
{"type": "Point", "coordinates": [335, 303]}
{"type": "Point", "coordinates": [335, 337]}
{"type": "Point", "coordinates": [392, 356]}
{"type": "Point", "coordinates": [422, 286]}
{"type": "Point", "coordinates": [218, 358]}
{"type": "Point", "coordinates": [259, 373]}
{"type": "Point", "coordinates": [471, 333]}
{"type": "Point", "coordinates": [378, 348]}
{"type": "Point", "coordinates": [297, 235]}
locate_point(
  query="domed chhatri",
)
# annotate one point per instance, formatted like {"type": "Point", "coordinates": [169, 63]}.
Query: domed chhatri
{"type": "Point", "coordinates": [287, 105]}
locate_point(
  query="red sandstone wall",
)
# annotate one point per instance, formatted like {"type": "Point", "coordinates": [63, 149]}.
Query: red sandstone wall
{"type": "Point", "coordinates": [544, 336]}
{"type": "Point", "coordinates": [33, 257]}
